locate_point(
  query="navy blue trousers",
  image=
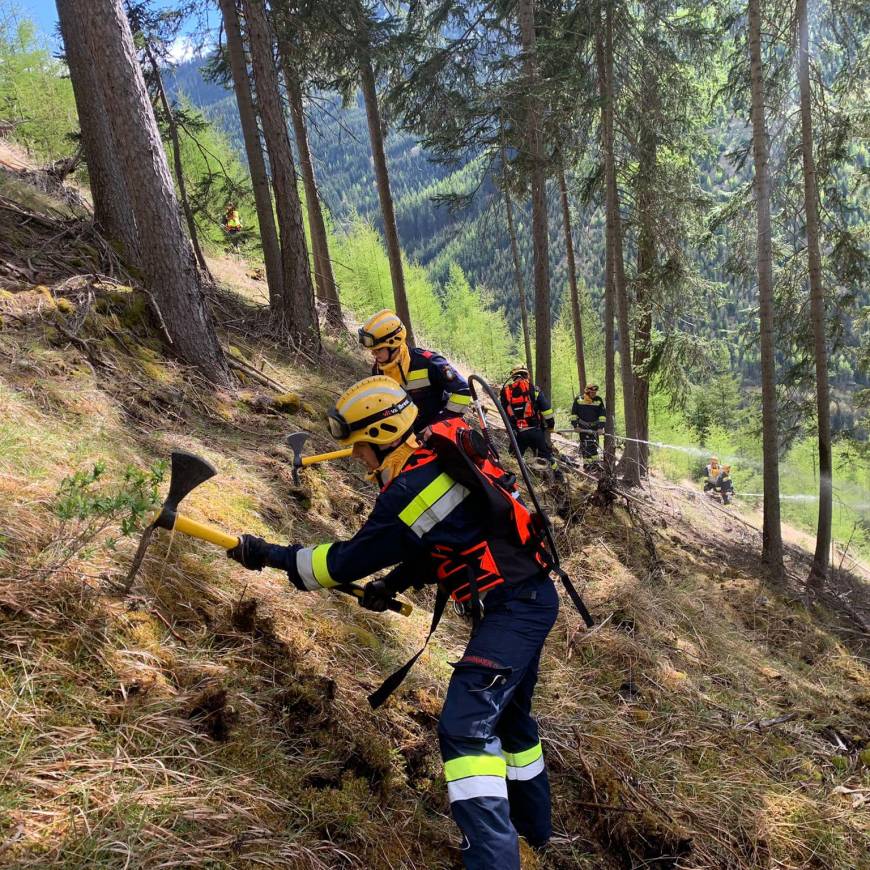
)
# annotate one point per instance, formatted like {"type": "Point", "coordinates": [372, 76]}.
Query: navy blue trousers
{"type": "Point", "coordinates": [493, 761]}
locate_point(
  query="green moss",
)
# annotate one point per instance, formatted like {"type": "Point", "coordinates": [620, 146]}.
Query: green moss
{"type": "Point", "coordinates": [288, 402]}
{"type": "Point", "coordinates": [65, 306]}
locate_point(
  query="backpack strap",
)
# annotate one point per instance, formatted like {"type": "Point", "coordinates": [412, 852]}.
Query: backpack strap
{"type": "Point", "coordinates": [392, 682]}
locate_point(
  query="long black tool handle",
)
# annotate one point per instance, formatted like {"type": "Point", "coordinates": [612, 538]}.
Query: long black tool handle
{"type": "Point", "coordinates": [554, 553]}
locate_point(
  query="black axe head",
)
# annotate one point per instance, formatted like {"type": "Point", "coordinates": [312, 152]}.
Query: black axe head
{"type": "Point", "coordinates": [295, 442]}
{"type": "Point", "coordinates": [188, 471]}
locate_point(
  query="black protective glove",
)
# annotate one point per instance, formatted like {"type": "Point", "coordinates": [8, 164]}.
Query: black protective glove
{"type": "Point", "coordinates": [376, 596]}
{"type": "Point", "coordinates": [251, 552]}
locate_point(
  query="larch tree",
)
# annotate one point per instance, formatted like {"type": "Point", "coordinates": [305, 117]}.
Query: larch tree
{"type": "Point", "coordinates": [771, 547]}
{"type": "Point", "coordinates": [253, 150]}
{"type": "Point", "coordinates": [296, 315]}
{"type": "Point", "coordinates": [819, 572]}
{"type": "Point", "coordinates": [165, 259]}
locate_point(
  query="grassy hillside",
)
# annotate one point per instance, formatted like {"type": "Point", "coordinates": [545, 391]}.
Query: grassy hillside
{"type": "Point", "coordinates": [215, 718]}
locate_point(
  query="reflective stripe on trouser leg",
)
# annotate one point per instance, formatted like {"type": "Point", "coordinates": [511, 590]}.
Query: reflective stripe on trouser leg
{"type": "Point", "coordinates": [500, 660]}
{"type": "Point", "coordinates": [478, 795]}
{"type": "Point", "coordinates": [528, 786]}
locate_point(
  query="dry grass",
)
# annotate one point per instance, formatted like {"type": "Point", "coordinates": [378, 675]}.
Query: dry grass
{"type": "Point", "coordinates": [214, 718]}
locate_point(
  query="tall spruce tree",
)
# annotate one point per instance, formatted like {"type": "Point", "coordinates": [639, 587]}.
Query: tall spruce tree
{"type": "Point", "coordinates": [253, 151]}
{"type": "Point", "coordinates": [771, 548]}
{"type": "Point", "coordinates": [604, 54]}
{"type": "Point", "coordinates": [112, 207]}
{"type": "Point", "coordinates": [819, 571]}
{"type": "Point", "coordinates": [296, 316]}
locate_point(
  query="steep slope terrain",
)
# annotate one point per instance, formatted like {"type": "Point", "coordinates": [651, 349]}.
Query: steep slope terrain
{"type": "Point", "coordinates": [213, 717]}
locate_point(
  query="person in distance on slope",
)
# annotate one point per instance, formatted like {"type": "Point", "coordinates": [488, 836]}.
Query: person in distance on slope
{"type": "Point", "coordinates": [434, 385]}
{"type": "Point", "coordinates": [478, 543]}
{"type": "Point", "coordinates": [232, 221]}
{"type": "Point", "coordinates": [531, 416]}
{"type": "Point", "coordinates": [588, 416]}
{"type": "Point", "coordinates": [719, 480]}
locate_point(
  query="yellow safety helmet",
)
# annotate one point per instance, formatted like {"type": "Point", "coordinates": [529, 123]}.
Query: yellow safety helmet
{"type": "Point", "coordinates": [383, 329]}
{"type": "Point", "coordinates": [726, 469]}
{"type": "Point", "coordinates": [714, 459]}
{"type": "Point", "coordinates": [375, 410]}
{"type": "Point", "coordinates": [518, 370]}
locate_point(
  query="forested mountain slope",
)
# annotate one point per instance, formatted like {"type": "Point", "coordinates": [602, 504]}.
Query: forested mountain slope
{"type": "Point", "coordinates": [213, 717]}
{"type": "Point", "coordinates": [474, 235]}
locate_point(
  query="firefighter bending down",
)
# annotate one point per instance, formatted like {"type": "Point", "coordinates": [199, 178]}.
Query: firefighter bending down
{"type": "Point", "coordinates": [719, 480]}
{"type": "Point", "coordinates": [588, 417]}
{"type": "Point", "coordinates": [531, 416]}
{"type": "Point", "coordinates": [478, 543]}
{"type": "Point", "coordinates": [436, 388]}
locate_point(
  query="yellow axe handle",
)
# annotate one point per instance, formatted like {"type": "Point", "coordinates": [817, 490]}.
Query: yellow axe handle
{"type": "Point", "coordinates": [215, 536]}
{"type": "Point", "coordinates": [205, 532]}
{"type": "Point", "coordinates": [326, 457]}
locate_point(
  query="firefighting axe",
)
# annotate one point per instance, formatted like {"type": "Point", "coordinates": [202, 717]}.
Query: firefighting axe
{"type": "Point", "coordinates": [188, 471]}
{"type": "Point", "coordinates": [297, 440]}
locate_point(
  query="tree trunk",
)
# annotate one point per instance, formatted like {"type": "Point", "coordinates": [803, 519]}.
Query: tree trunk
{"type": "Point", "coordinates": [572, 283]}
{"type": "Point", "coordinates": [771, 551]}
{"type": "Point", "coordinates": [176, 156]}
{"type": "Point", "coordinates": [254, 152]}
{"type": "Point", "coordinates": [521, 284]}
{"type": "Point", "coordinates": [605, 79]}
{"type": "Point", "coordinates": [646, 261]}
{"type": "Point", "coordinates": [112, 209]}
{"type": "Point", "coordinates": [165, 259]}
{"type": "Point", "coordinates": [540, 236]}
{"type": "Point", "coordinates": [382, 176]}
{"type": "Point", "coordinates": [323, 274]}
{"type": "Point", "coordinates": [296, 315]}
{"type": "Point", "coordinates": [819, 571]}
{"type": "Point", "coordinates": [609, 358]}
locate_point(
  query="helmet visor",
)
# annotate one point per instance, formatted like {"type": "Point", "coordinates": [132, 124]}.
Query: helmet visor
{"type": "Point", "coordinates": [366, 339]}
{"type": "Point", "coordinates": [338, 426]}
{"type": "Point", "coordinates": [342, 430]}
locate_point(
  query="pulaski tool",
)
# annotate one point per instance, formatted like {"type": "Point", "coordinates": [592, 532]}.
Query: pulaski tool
{"type": "Point", "coordinates": [187, 472]}
{"type": "Point", "coordinates": [297, 440]}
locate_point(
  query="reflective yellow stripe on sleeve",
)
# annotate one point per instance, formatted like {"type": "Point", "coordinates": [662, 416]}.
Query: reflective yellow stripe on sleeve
{"type": "Point", "coordinates": [311, 567]}
{"type": "Point", "coordinates": [458, 403]}
{"type": "Point", "coordinates": [417, 379]}
{"type": "Point", "coordinates": [432, 504]}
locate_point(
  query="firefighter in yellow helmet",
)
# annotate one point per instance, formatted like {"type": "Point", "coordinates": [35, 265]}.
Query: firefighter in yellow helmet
{"type": "Point", "coordinates": [718, 480]}
{"type": "Point", "coordinates": [232, 221]}
{"type": "Point", "coordinates": [478, 544]}
{"type": "Point", "coordinates": [531, 416]}
{"type": "Point", "coordinates": [437, 389]}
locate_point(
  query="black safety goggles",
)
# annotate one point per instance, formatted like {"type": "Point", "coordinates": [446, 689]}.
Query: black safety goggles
{"type": "Point", "coordinates": [366, 339]}
{"type": "Point", "coordinates": [340, 429]}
